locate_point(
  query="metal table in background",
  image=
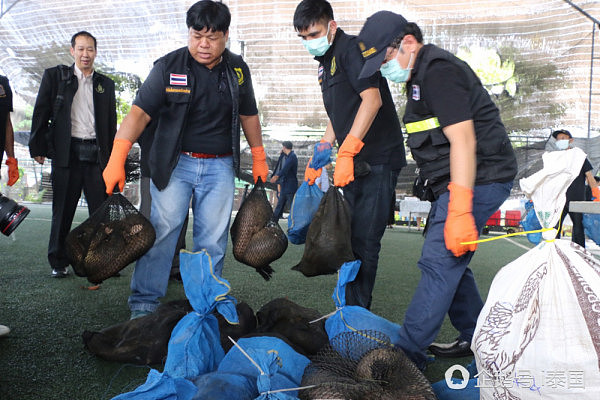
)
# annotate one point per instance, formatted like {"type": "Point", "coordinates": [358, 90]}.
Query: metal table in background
{"type": "Point", "coordinates": [585, 207]}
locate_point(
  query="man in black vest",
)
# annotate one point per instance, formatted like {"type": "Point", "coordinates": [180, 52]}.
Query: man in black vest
{"type": "Point", "coordinates": [199, 95]}
{"type": "Point", "coordinates": [466, 165]}
{"type": "Point", "coordinates": [74, 122]}
{"type": "Point", "coordinates": [363, 121]}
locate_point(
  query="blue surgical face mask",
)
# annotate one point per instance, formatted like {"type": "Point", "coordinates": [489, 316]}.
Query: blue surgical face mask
{"type": "Point", "coordinates": [394, 72]}
{"type": "Point", "coordinates": [562, 144]}
{"type": "Point", "coordinates": [318, 47]}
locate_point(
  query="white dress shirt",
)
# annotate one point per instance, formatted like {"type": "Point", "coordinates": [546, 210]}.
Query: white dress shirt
{"type": "Point", "coordinates": [82, 110]}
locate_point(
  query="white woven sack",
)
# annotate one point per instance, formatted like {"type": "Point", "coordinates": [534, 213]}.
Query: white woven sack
{"type": "Point", "coordinates": [538, 334]}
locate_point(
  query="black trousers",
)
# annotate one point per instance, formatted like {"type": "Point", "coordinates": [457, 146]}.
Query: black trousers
{"type": "Point", "coordinates": [369, 200]}
{"type": "Point", "coordinates": [578, 232]}
{"type": "Point", "coordinates": [67, 184]}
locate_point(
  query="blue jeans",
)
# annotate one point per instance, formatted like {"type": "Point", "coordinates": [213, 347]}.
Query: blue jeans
{"type": "Point", "coordinates": [447, 284]}
{"type": "Point", "coordinates": [369, 200]}
{"type": "Point", "coordinates": [209, 184]}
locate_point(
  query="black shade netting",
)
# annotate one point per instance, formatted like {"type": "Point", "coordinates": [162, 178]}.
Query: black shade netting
{"type": "Point", "coordinates": [257, 241]}
{"type": "Point", "coordinates": [110, 239]}
{"type": "Point", "coordinates": [364, 365]}
{"type": "Point", "coordinates": [328, 240]}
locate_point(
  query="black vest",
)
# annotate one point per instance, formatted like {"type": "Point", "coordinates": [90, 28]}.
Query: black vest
{"type": "Point", "coordinates": [429, 146]}
{"type": "Point", "coordinates": [167, 136]}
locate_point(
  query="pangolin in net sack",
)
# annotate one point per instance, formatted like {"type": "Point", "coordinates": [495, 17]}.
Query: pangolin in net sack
{"type": "Point", "coordinates": [109, 240]}
{"type": "Point", "coordinates": [364, 365]}
{"type": "Point", "coordinates": [256, 240]}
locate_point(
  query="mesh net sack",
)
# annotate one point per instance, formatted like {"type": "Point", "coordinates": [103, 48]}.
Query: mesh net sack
{"type": "Point", "coordinates": [256, 240]}
{"type": "Point", "coordinates": [328, 240]}
{"type": "Point", "coordinates": [363, 365]}
{"type": "Point", "coordinates": [109, 240]}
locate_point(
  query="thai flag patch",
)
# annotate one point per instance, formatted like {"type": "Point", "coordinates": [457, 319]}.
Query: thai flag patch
{"type": "Point", "coordinates": [178, 79]}
{"type": "Point", "coordinates": [416, 92]}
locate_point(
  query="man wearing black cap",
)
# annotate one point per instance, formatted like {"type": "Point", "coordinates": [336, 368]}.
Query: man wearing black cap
{"type": "Point", "coordinates": [363, 120]}
{"type": "Point", "coordinates": [576, 191]}
{"type": "Point", "coordinates": [285, 175]}
{"type": "Point", "coordinates": [466, 166]}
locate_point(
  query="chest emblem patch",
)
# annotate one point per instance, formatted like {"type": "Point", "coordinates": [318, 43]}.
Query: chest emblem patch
{"type": "Point", "coordinates": [99, 89]}
{"type": "Point", "coordinates": [416, 92]}
{"type": "Point", "coordinates": [178, 80]}
{"type": "Point", "coordinates": [240, 75]}
{"type": "Point", "coordinates": [333, 66]}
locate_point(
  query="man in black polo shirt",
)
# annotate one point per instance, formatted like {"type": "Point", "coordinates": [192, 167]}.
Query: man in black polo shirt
{"type": "Point", "coordinates": [363, 120]}
{"type": "Point", "coordinates": [199, 95]}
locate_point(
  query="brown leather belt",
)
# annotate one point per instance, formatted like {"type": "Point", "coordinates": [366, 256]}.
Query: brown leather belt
{"type": "Point", "coordinates": [204, 155]}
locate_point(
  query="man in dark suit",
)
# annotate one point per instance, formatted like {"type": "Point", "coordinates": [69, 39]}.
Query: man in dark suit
{"type": "Point", "coordinates": [74, 124]}
{"type": "Point", "coordinates": [284, 175]}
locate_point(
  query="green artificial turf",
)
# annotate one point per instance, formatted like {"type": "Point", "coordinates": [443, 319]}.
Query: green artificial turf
{"type": "Point", "coordinates": [44, 358]}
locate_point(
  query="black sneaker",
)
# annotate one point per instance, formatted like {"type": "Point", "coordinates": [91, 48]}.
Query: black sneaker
{"type": "Point", "coordinates": [456, 349]}
{"type": "Point", "coordinates": [59, 272]}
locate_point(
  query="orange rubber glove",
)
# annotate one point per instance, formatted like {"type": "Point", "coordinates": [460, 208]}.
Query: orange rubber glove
{"type": "Point", "coordinates": [259, 163]}
{"type": "Point", "coordinates": [460, 224]}
{"type": "Point", "coordinates": [596, 193]}
{"type": "Point", "coordinates": [344, 165]}
{"type": "Point", "coordinates": [114, 173]}
{"type": "Point", "coordinates": [13, 170]}
{"type": "Point", "coordinates": [310, 174]}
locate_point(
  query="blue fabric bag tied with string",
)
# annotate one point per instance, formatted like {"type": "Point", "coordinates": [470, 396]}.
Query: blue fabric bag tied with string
{"type": "Point", "coordinates": [304, 206]}
{"type": "Point", "coordinates": [267, 370]}
{"type": "Point", "coordinates": [355, 318]}
{"type": "Point", "coordinates": [530, 222]}
{"type": "Point", "coordinates": [195, 345]}
{"type": "Point", "coordinates": [307, 198]}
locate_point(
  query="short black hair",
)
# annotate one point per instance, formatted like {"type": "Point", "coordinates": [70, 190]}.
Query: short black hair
{"type": "Point", "coordinates": [310, 12]}
{"type": "Point", "coordinates": [287, 144]}
{"type": "Point", "coordinates": [558, 131]}
{"type": "Point", "coordinates": [82, 33]}
{"type": "Point", "coordinates": [410, 29]}
{"type": "Point", "coordinates": [212, 15]}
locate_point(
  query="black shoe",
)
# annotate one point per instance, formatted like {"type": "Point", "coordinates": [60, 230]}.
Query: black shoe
{"type": "Point", "coordinates": [59, 272]}
{"type": "Point", "coordinates": [456, 349]}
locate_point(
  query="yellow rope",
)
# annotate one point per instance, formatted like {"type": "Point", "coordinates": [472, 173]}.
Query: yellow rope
{"type": "Point", "coordinates": [514, 234]}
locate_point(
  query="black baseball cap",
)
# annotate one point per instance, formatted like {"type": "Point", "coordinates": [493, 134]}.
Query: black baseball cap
{"type": "Point", "coordinates": [566, 132]}
{"type": "Point", "coordinates": [376, 35]}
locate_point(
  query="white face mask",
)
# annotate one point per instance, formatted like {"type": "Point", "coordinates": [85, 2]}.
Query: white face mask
{"type": "Point", "coordinates": [562, 144]}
